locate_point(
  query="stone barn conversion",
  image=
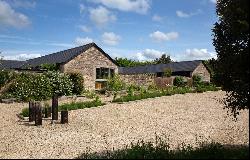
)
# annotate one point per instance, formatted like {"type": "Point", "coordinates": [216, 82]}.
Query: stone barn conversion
{"type": "Point", "coordinates": [96, 66]}
{"type": "Point", "coordinates": [150, 74]}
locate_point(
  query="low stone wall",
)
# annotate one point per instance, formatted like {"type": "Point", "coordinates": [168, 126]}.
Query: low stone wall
{"type": "Point", "coordinates": [139, 79]}
{"type": "Point", "coordinates": [151, 79]}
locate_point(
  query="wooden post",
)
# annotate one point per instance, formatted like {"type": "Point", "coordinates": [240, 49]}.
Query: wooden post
{"type": "Point", "coordinates": [55, 107]}
{"type": "Point", "coordinates": [38, 120]}
{"type": "Point", "coordinates": [46, 110]}
{"type": "Point", "coordinates": [31, 111]}
{"type": "Point", "coordinates": [64, 117]}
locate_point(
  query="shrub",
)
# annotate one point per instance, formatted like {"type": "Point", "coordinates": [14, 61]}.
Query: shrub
{"type": "Point", "coordinates": [196, 80]}
{"type": "Point", "coordinates": [25, 112]}
{"type": "Point", "coordinates": [167, 72]}
{"type": "Point", "coordinates": [4, 77]}
{"type": "Point", "coordinates": [115, 83]}
{"type": "Point", "coordinates": [161, 150]}
{"type": "Point", "coordinates": [77, 80]}
{"type": "Point", "coordinates": [29, 86]}
{"type": "Point", "coordinates": [179, 81]}
{"type": "Point", "coordinates": [61, 83]}
{"type": "Point", "coordinates": [90, 94]}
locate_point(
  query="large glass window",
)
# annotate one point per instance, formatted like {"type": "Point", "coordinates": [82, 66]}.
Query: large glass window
{"type": "Point", "coordinates": [104, 73]}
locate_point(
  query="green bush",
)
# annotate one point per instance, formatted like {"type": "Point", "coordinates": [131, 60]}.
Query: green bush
{"type": "Point", "coordinates": [29, 86]}
{"type": "Point", "coordinates": [25, 112]}
{"type": "Point", "coordinates": [115, 83]}
{"type": "Point", "coordinates": [78, 81]}
{"type": "Point", "coordinates": [161, 150]}
{"type": "Point", "coordinates": [4, 77]}
{"type": "Point", "coordinates": [196, 80]}
{"type": "Point", "coordinates": [167, 72]}
{"type": "Point", "coordinates": [90, 94]}
{"type": "Point", "coordinates": [61, 83]}
{"type": "Point", "coordinates": [179, 81]}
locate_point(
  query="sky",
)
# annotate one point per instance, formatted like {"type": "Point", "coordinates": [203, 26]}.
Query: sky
{"type": "Point", "coordinates": [135, 29]}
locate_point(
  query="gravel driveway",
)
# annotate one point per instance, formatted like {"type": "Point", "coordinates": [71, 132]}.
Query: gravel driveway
{"type": "Point", "coordinates": [179, 118]}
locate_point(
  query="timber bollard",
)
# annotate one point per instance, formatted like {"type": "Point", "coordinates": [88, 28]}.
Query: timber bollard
{"type": "Point", "coordinates": [32, 113]}
{"type": "Point", "coordinates": [64, 117]}
{"type": "Point", "coordinates": [46, 114]}
{"type": "Point", "coordinates": [55, 107]}
{"type": "Point", "coordinates": [38, 111]}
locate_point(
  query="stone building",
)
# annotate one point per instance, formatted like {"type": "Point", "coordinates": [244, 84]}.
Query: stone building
{"type": "Point", "coordinates": [149, 74]}
{"type": "Point", "coordinates": [96, 67]}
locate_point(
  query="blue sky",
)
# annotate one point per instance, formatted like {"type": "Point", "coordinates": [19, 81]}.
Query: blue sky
{"type": "Point", "coordinates": [137, 29]}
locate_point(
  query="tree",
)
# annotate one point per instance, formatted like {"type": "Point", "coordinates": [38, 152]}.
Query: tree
{"type": "Point", "coordinates": [231, 39]}
{"type": "Point", "coordinates": [163, 59]}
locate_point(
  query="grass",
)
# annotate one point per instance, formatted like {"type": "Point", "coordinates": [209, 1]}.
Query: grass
{"type": "Point", "coordinates": [161, 150]}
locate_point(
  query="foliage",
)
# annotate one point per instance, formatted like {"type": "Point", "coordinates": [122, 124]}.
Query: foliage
{"type": "Point", "coordinates": [124, 62]}
{"type": "Point", "coordinates": [167, 72]}
{"type": "Point", "coordinates": [196, 80]}
{"type": "Point", "coordinates": [50, 67]}
{"type": "Point", "coordinates": [81, 105]}
{"type": "Point", "coordinates": [144, 94]}
{"type": "Point", "coordinates": [61, 83]}
{"type": "Point", "coordinates": [231, 40]}
{"type": "Point", "coordinates": [29, 86]}
{"type": "Point", "coordinates": [4, 77]}
{"type": "Point", "coordinates": [163, 59]}
{"type": "Point", "coordinates": [78, 81]}
{"type": "Point", "coordinates": [90, 94]}
{"type": "Point", "coordinates": [25, 112]}
{"type": "Point", "coordinates": [115, 84]}
{"type": "Point", "coordinates": [161, 150]}
{"type": "Point", "coordinates": [203, 87]}
{"type": "Point", "coordinates": [179, 81]}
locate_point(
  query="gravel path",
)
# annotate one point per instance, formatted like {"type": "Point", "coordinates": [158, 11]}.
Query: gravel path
{"type": "Point", "coordinates": [180, 118]}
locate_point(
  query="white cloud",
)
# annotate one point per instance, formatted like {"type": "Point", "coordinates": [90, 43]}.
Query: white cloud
{"type": "Point", "coordinates": [84, 28]}
{"type": "Point", "coordinates": [82, 41]}
{"type": "Point", "coordinates": [101, 16]}
{"type": "Point", "coordinates": [82, 8]}
{"type": "Point", "coordinates": [160, 36]}
{"type": "Point", "coordinates": [110, 38]}
{"type": "Point", "coordinates": [138, 6]}
{"type": "Point", "coordinates": [213, 1]}
{"type": "Point", "coordinates": [148, 54]}
{"type": "Point", "coordinates": [9, 17]}
{"type": "Point", "coordinates": [183, 14]}
{"type": "Point", "coordinates": [23, 3]}
{"type": "Point", "coordinates": [198, 54]}
{"type": "Point", "coordinates": [157, 18]}
{"type": "Point", "coordinates": [21, 57]}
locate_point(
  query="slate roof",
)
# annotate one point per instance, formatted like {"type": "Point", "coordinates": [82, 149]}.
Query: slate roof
{"type": "Point", "coordinates": [64, 56]}
{"type": "Point", "coordinates": [10, 64]}
{"type": "Point", "coordinates": [184, 66]}
{"type": "Point", "coordinates": [54, 58]}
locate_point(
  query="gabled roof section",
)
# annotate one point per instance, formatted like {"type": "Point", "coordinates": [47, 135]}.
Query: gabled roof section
{"type": "Point", "coordinates": [11, 64]}
{"type": "Point", "coordinates": [184, 66]}
{"type": "Point", "coordinates": [63, 56]}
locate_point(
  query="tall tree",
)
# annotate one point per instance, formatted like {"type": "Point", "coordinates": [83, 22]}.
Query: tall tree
{"type": "Point", "coordinates": [163, 59]}
{"type": "Point", "coordinates": [231, 39]}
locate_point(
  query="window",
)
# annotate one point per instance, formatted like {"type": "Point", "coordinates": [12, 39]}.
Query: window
{"type": "Point", "coordinates": [104, 73]}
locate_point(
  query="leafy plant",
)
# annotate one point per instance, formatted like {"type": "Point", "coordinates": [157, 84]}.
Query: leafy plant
{"type": "Point", "coordinates": [25, 112]}
{"type": "Point", "coordinates": [167, 72]}
{"type": "Point", "coordinates": [196, 80]}
{"type": "Point", "coordinates": [78, 81]}
{"type": "Point", "coordinates": [179, 81]}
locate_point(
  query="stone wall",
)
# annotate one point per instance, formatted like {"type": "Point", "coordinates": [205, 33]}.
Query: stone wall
{"type": "Point", "coordinates": [86, 64]}
{"type": "Point", "coordinates": [138, 79]}
{"type": "Point", "coordinates": [203, 72]}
